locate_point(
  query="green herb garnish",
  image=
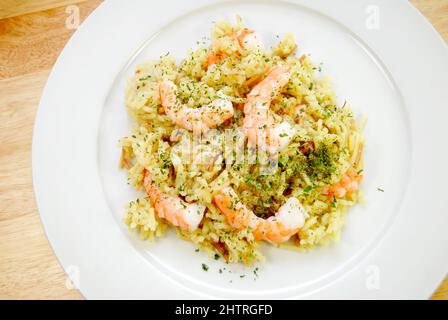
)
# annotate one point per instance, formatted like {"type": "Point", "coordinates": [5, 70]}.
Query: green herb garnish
{"type": "Point", "coordinates": [256, 271]}
{"type": "Point", "coordinates": [144, 78]}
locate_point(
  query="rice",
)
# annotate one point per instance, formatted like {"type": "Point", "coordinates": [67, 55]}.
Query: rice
{"type": "Point", "coordinates": [141, 217]}
{"type": "Point", "coordinates": [328, 143]}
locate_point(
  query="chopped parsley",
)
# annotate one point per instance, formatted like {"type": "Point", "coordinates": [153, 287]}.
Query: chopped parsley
{"type": "Point", "coordinates": [204, 267]}
{"type": "Point", "coordinates": [145, 78]}
{"type": "Point", "coordinates": [334, 203]}
{"type": "Point", "coordinates": [380, 190]}
{"type": "Point", "coordinates": [321, 163]}
{"type": "Point", "coordinates": [256, 271]}
{"type": "Point", "coordinates": [307, 189]}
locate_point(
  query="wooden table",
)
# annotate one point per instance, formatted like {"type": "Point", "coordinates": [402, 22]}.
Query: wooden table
{"type": "Point", "coordinates": [32, 34]}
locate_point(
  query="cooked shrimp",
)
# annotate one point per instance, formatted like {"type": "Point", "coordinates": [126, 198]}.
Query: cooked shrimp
{"type": "Point", "coordinates": [180, 214]}
{"type": "Point", "coordinates": [349, 183]}
{"type": "Point", "coordinates": [215, 58]}
{"type": "Point", "coordinates": [247, 40]}
{"type": "Point", "coordinates": [276, 229]}
{"type": "Point", "coordinates": [259, 125]}
{"type": "Point", "coordinates": [194, 119]}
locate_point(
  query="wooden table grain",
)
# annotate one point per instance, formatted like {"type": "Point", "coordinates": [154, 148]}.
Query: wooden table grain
{"type": "Point", "coordinates": [32, 34]}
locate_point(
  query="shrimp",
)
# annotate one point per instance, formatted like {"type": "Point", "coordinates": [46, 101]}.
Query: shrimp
{"type": "Point", "coordinates": [247, 40]}
{"type": "Point", "coordinates": [258, 124]}
{"type": "Point", "coordinates": [215, 58]}
{"type": "Point", "coordinates": [187, 216]}
{"type": "Point", "coordinates": [349, 183]}
{"type": "Point", "coordinates": [194, 119]}
{"type": "Point", "coordinates": [289, 219]}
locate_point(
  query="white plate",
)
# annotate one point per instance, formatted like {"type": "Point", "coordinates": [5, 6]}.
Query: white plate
{"type": "Point", "coordinates": [390, 70]}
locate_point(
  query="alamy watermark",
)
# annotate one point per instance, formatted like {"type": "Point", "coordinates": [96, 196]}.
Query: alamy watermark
{"type": "Point", "coordinates": [73, 20]}
{"type": "Point", "coordinates": [373, 21]}
{"type": "Point", "coordinates": [73, 280]}
{"type": "Point", "coordinates": [373, 277]}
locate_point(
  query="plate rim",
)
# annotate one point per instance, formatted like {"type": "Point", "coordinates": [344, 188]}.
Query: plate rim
{"type": "Point", "coordinates": [38, 146]}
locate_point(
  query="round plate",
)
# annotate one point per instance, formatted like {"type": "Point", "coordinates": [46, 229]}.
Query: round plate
{"type": "Point", "coordinates": [390, 71]}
